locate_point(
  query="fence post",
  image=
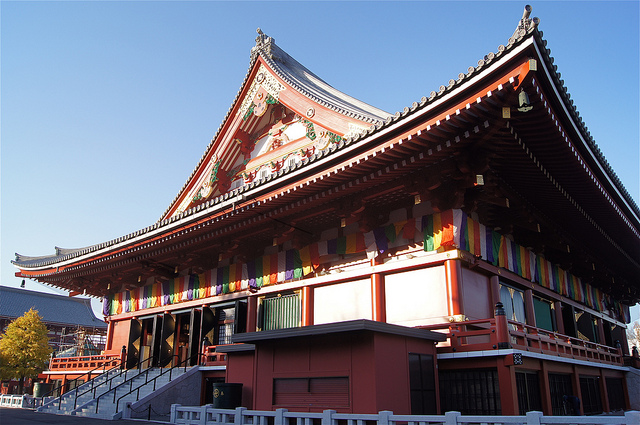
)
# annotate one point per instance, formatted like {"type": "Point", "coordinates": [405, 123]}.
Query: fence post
{"type": "Point", "coordinates": [327, 417]}
{"type": "Point", "coordinates": [533, 417]}
{"type": "Point", "coordinates": [383, 417]}
{"type": "Point", "coordinates": [278, 419]}
{"type": "Point", "coordinates": [174, 410]}
{"type": "Point", "coordinates": [203, 414]}
{"type": "Point", "coordinates": [632, 417]}
{"type": "Point", "coordinates": [126, 411]}
{"type": "Point", "coordinates": [451, 418]}
{"type": "Point", "coordinates": [237, 416]}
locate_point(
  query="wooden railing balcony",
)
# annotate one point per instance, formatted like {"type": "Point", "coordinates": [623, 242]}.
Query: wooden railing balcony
{"type": "Point", "coordinates": [484, 335]}
{"type": "Point", "coordinates": [84, 362]}
{"type": "Point", "coordinates": [212, 358]}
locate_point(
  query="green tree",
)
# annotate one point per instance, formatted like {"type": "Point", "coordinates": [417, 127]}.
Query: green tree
{"type": "Point", "coordinates": [24, 348]}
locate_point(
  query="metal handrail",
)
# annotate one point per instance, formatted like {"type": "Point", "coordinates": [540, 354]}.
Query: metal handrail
{"type": "Point", "coordinates": [130, 380]}
{"type": "Point", "coordinates": [110, 380]}
{"type": "Point", "coordinates": [104, 365]}
{"type": "Point", "coordinates": [146, 381]}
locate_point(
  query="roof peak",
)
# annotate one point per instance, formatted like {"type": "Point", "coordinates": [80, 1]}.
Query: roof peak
{"type": "Point", "coordinates": [525, 24]}
{"type": "Point", "coordinates": [264, 43]}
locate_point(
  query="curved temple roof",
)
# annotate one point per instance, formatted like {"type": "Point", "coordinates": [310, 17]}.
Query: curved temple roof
{"type": "Point", "coordinates": [318, 91]}
{"type": "Point", "coordinates": [304, 82]}
{"type": "Point", "coordinates": [58, 309]}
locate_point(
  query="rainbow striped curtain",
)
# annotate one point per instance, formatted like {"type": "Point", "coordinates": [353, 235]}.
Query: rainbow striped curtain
{"type": "Point", "coordinates": [445, 230]}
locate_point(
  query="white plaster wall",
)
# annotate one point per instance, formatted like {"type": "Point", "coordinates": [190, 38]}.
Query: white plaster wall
{"type": "Point", "coordinates": [416, 297]}
{"type": "Point", "coordinates": [343, 301]}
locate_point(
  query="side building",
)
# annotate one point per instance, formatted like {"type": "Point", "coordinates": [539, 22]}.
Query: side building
{"type": "Point", "coordinates": [473, 252]}
{"type": "Point", "coordinates": [74, 330]}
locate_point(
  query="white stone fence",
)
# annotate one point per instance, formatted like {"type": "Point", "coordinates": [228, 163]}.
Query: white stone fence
{"type": "Point", "coordinates": [18, 401]}
{"type": "Point", "coordinates": [207, 415]}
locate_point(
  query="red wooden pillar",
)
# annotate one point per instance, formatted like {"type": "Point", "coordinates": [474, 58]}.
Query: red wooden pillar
{"type": "Point", "coordinates": [604, 394]}
{"type": "Point", "coordinates": [559, 320]}
{"type": "Point", "coordinates": [109, 335]}
{"type": "Point", "coordinates": [307, 306]}
{"type": "Point", "coordinates": [252, 313]}
{"type": "Point", "coordinates": [63, 385]}
{"type": "Point", "coordinates": [494, 281]}
{"type": "Point", "coordinates": [576, 387]}
{"type": "Point", "coordinates": [378, 302]}
{"type": "Point", "coordinates": [508, 388]}
{"type": "Point", "coordinates": [601, 338]}
{"type": "Point", "coordinates": [547, 408]}
{"type": "Point", "coordinates": [529, 310]}
{"type": "Point", "coordinates": [453, 271]}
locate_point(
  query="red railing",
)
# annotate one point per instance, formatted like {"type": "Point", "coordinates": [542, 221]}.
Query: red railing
{"type": "Point", "coordinates": [84, 362]}
{"type": "Point", "coordinates": [483, 335]}
{"type": "Point", "coordinates": [211, 358]}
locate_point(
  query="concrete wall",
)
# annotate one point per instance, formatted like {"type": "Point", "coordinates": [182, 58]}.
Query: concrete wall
{"type": "Point", "coordinates": [184, 390]}
{"type": "Point", "coordinates": [633, 388]}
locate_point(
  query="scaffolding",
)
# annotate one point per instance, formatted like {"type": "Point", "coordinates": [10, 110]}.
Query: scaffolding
{"type": "Point", "coordinates": [79, 341]}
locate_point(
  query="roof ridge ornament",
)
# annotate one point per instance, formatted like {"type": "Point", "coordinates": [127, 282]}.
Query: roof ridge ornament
{"type": "Point", "coordinates": [525, 24]}
{"type": "Point", "coordinates": [264, 43]}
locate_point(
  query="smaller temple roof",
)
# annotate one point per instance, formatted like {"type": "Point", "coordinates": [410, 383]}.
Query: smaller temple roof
{"type": "Point", "coordinates": [54, 309]}
{"type": "Point", "coordinates": [358, 325]}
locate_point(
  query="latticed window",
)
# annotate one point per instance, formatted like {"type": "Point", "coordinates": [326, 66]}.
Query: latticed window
{"type": "Point", "coordinates": [590, 389]}
{"type": "Point", "coordinates": [279, 312]}
{"type": "Point", "coordinates": [528, 388]}
{"type": "Point", "coordinates": [615, 390]}
{"type": "Point", "coordinates": [226, 318]}
{"type": "Point", "coordinates": [561, 390]}
{"type": "Point", "coordinates": [470, 391]}
{"type": "Point", "coordinates": [422, 384]}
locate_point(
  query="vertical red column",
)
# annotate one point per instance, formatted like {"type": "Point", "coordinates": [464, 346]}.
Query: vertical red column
{"type": "Point", "coordinates": [604, 394]}
{"type": "Point", "coordinates": [600, 329]}
{"type": "Point", "coordinates": [108, 344]}
{"type": "Point", "coordinates": [508, 389]}
{"type": "Point", "coordinates": [378, 303]}
{"type": "Point", "coordinates": [529, 310]}
{"type": "Point", "coordinates": [577, 391]}
{"type": "Point", "coordinates": [453, 270]}
{"type": "Point", "coordinates": [559, 320]}
{"type": "Point", "coordinates": [546, 389]}
{"type": "Point", "coordinates": [252, 313]}
{"type": "Point", "coordinates": [307, 306]}
{"type": "Point", "coordinates": [494, 282]}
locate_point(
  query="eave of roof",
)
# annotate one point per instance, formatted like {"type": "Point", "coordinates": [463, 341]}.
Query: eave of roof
{"type": "Point", "coordinates": [360, 325]}
{"type": "Point", "coordinates": [214, 204]}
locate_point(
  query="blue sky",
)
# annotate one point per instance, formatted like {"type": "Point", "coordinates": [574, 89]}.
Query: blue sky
{"type": "Point", "coordinates": [108, 106]}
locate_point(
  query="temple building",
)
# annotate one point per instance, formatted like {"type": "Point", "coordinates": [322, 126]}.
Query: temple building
{"type": "Point", "coordinates": [472, 252]}
{"type": "Point", "coordinates": [73, 328]}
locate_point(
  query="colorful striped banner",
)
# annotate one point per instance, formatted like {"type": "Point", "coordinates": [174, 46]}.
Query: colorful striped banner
{"type": "Point", "coordinates": [448, 229]}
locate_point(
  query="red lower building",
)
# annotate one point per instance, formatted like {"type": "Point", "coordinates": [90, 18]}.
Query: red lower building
{"type": "Point", "coordinates": [473, 252]}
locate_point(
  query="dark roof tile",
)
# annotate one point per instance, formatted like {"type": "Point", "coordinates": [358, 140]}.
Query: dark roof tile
{"type": "Point", "coordinates": [59, 309]}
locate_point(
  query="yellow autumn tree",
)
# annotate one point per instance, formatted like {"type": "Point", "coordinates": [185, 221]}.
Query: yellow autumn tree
{"type": "Point", "coordinates": [24, 348]}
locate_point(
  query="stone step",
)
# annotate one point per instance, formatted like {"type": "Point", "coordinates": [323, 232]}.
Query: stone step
{"type": "Point", "coordinates": [137, 385]}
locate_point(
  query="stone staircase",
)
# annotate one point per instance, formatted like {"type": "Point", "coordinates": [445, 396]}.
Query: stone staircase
{"type": "Point", "coordinates": [95, 398]}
